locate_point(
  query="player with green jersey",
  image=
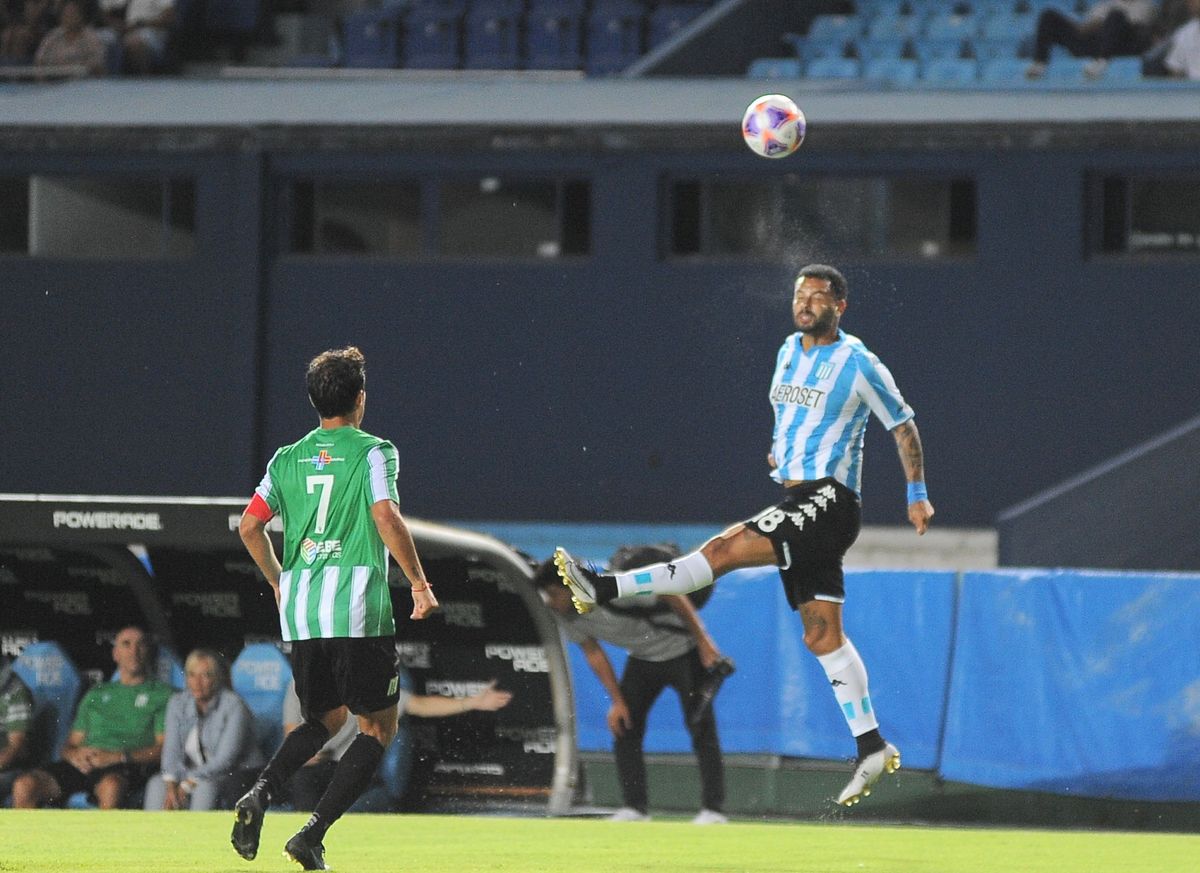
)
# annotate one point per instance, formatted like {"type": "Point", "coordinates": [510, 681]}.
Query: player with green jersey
{"type": "Point", "coordinates": [335, 491]}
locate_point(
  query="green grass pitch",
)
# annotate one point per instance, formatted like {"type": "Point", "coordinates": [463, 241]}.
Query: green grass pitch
{"type": "Point", "coordinates": [118, 842]}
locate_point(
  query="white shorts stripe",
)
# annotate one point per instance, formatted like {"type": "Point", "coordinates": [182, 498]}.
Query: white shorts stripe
{"type": "Point", "coordinates": [328, 593]}
{"type": "Point", "coordinates": [301, 608]}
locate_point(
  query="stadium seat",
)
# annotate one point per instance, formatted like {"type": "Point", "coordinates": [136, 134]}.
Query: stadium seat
{"type": "Point", "coordinates": [56, 684]}
{"type": "Point", "coordinates": [950, 71]}
{"type": "Point", "coordinates": [991, 49]}
{"type": "Point", "coordinates": [1123, 71]}
{"type": "Point", "coordinates": [1004, 71]}
{"type": "Point", "coordinates": [553, 35]}
{"type": "Point", "coordinates": [667, 19]}
{"type": "Point", "coordinates": [372, 38]}
{"type": "Point", "coordinates": [432, 38]}
{"type": "Point", "coordinates": [614, 36]}
{"type": "Point", "coordinates": [260, 674]}
{"type": "Point", "coordinates": [834, 68]}
{"type": "Point", "coordinates": [886, 25]}
{"type": "Point", "coordinates": [810, 48]}
{"type": "Point", "coordinates": [951, 25]}
{"type": "Point", "coordinates": [1066, 71]}
{"type": "Point", "coordinates": [867, 49]}
{"type": "Point", "coordinates": [926, 50]}
{"type": "Point", "coordinates": [836, 27]}
{"type": "Point", "coordinates": [1007, 26]}
{"type": "Point", "coordinates": [893, 71]}
{"type": "Point", "coordinates": [775, 68]}
{"type": "Point", "coordinates": [492, 38]}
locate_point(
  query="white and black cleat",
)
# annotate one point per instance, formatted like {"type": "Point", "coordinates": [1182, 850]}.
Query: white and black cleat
{"type": "Point", "coordinates": [867, 773]}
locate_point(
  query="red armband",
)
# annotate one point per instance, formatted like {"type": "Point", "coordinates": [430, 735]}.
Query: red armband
{"type": "Point", "coordinates": [259, 509]}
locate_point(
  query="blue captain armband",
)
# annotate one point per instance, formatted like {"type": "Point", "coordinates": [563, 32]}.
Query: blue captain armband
{"type": "Point", "coordinates": [917, 492]}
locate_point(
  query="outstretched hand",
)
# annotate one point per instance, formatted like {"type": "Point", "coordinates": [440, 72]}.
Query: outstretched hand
{"type": "Point", "coordinates": [919, 514]}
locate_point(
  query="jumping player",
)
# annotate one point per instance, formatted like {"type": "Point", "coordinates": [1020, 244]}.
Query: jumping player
{"type": "Point", "coordinates": [335, 490]}
{"type": "Point", "coordinates": [825, 386]}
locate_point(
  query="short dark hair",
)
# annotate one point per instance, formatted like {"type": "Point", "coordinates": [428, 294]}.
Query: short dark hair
{"type": "Point", "coordinates": [832, 275]}
{"type": "Point", "coordinates": [335, 378]}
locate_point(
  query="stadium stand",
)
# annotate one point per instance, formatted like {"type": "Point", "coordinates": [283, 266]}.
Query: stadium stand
{"type": "Point", "coordinates": [260, 674]}
{"type": "Point", "coordinates": [56, 685]}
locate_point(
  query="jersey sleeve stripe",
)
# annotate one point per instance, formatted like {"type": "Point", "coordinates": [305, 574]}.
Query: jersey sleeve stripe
{"type": "Point", "coordinates": [383, 474]}
{"type": "Point", "coordinates": [881, 393]}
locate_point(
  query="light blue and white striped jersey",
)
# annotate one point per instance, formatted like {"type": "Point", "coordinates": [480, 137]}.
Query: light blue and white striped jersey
{"type": "Point", "coordinates": [822, 399]}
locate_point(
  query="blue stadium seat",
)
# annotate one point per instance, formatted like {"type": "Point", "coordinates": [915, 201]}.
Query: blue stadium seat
{"type": "Point", "coordinates": [492, 38]}
{"type": "Point", "coordinates": [260, 674]}
{"type": "Point", "coordinates": [1066, 71]}
{"type": "Point", "coordinates": [950, 71]}
{"type": "Point", "coordinates": [774, 68]}
{"type": "Point", "coordinates": [371, 38]}
{"type": "Point", "coordinates": [866, 49]}
{"type": "Point", "coordinates": [951, 25]}
{"type": "Point", "coordinates": [56, 684]}
{"type": "Point", "coordinates": [991, 49]}
{"type": "Point", "coordinates": [926, 50]}
{"type": "Point", "coordinates": [894, 71]}
{"type": "Point", "coordinates": [1007, 25]}
{"type": "Point", "coordinates": [1004, 71]}
{"type": "Point", "coordinates": [839, 27]}
{"type": "Point", "coordinates": [667, 19]}
{"type": "Point", "coordinates": [809, 48]}
{"type": "Point", "coordinates": [554, 36]}
{"type": "Point", "coordinates": [614, 36]}
{"type": "Point", "coordinates": [834, 68]}
{"type": "Point", "coordinates": [432, 38]}
{"type": "Point", "coordinates": [1123, 71]}
{"type": "Point", "coordinates": [888, 25]}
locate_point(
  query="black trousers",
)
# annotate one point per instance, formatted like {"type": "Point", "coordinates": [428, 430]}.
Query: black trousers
{"type": "Point", "coordinates": [1115, 37]}
{"type": "Point", "coordinates": [641, 684]}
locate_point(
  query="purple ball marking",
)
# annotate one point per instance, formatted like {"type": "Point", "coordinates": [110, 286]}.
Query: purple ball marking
{"type": "Point", "coordinates": [752, 127]}
{"type": "Point", "coordinates": [776, 116]}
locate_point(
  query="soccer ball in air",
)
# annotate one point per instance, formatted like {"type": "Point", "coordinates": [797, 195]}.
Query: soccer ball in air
{"type": "Point", "coordinates": [773, 126]}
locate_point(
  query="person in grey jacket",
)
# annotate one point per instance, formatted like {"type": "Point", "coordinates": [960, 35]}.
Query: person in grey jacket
{"type": "Point", "coordinates": [209, 736]}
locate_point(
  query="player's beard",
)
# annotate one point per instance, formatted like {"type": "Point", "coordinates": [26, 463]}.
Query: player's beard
{"type": "Point", "coordinates": [824, 324]}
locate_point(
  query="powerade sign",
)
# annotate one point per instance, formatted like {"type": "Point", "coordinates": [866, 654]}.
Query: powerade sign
{"type": "Point", "coordinates": [135, 521]}
{"type": "Point", "coordinates": [50, 519]}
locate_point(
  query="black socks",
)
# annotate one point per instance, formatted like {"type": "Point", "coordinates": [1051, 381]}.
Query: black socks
{"type": "Point", "coordinates": [351, 778]}
{"type": "Point", "coordinates": [298, 746]}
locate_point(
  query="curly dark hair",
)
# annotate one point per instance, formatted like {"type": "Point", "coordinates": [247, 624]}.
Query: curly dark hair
{"type": "Point", "coordinates": [832, 275]}
{"type": "Point", "coordinates": [335, 378]}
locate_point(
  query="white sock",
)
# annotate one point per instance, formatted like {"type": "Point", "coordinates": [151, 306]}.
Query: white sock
{"type": "Point", "coordinates": [848, 676]}
{"type": "Point", "coordinates": [674, 577]}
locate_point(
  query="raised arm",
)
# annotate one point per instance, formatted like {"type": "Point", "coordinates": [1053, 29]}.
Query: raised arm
{"type": "Point", "coordinates": [908, 444]}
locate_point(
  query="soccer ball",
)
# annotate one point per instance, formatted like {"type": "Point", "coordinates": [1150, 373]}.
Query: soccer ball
{"type": "Point", "coordinates": [773, 126]}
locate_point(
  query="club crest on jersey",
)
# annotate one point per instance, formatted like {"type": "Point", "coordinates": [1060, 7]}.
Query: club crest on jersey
{"type": "Point", "coordinates": [310, 550]}
{"type": "Point", "coordinates": [321, 460]}
{"type": "Point", "coordinates": [824, 371]}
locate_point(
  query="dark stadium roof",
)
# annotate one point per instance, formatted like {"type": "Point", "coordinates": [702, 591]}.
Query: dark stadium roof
{"type": "Point", "coordinates": [462, 105]}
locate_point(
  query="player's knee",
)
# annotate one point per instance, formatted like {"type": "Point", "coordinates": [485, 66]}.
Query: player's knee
{"type": "Point", "coordinates": [823, 639]}
{"type": "Point", "coordinates": [381, 730]}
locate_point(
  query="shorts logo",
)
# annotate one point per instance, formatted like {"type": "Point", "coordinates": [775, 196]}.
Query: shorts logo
{"type": "Point", "coordinates": [321, 460]}
{"type": "Point", "coordinates": [393, 686]}
{"type": "Point", "coordinates": [769, 519]}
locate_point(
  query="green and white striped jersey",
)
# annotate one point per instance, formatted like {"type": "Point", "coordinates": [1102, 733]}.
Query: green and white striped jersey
{"type": "Point", "coordinates": [334, 580]}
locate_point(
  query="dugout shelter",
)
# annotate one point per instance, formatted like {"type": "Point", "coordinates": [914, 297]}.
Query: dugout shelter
{"type": "Point", "coordinates": [75, 569]}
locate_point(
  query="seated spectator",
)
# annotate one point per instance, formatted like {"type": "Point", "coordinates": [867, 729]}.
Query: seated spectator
{"type": "Point", "coordinates": [308, 783]}
{"type": "Point", "coordinates": [143, 29]}
{"type": "Point", "coordinates": [116, 737]}
{"type": "Point", "coordinates": [72, 43]}
{"type": "Point", "coordinates": [16, 715]}
{"type": "Point", "coordinates": [1114, 28]}
{"type": "Point", "coordinates": [1183, 58]}
{"type": "Point", "coordinates": [28, 21]}
{"type": "Point", "coordinates": [209, 739]}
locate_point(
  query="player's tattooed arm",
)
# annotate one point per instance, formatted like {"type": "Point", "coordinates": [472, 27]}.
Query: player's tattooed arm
{"type": "Point", "coordinates": [908, 443]}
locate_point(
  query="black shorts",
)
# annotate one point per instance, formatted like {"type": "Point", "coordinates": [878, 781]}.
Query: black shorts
{"type": "Point", "coordinates": [362, 673]}
{"type": "Point", "coordinates": [71, 780]}
{"type": "Point", "coordinates": [811, 530]}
